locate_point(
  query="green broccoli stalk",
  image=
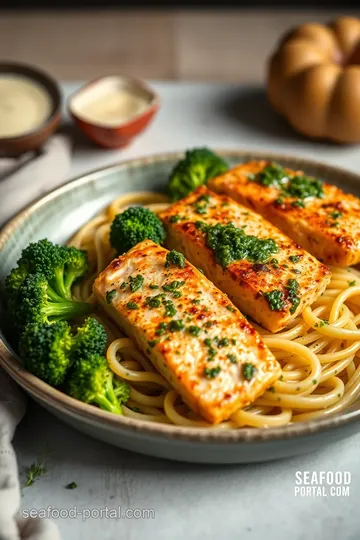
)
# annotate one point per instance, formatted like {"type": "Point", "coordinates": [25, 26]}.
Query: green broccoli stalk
{"type": "Point", "coordinates": [134, 225]}
{"type": "Point", "coordinates": [36, 302]}
{"type": "Point", "coordinates": [61, 265]}
{"type": "Point", "coordinates": [198, 166]}
{"type": "Point", "coordinates": [49, 350]}
{"type": "Point", "coordinates": [46, 351]}
{"type": "Point", "coordinates": [92, 381]}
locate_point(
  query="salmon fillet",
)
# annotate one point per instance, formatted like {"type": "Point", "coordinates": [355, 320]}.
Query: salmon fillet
{"type": "Point", "coordinates": [191, 332]}
{"type": "Point", "coordinates": [326, 224]}
{"type": "Point", "coordinates": [272, 281]}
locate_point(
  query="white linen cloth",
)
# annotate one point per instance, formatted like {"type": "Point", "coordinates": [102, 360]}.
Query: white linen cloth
{"type": "Point", "coordinates": [25, 178]}
{"type": "Point", "coordinates": [22, 180]}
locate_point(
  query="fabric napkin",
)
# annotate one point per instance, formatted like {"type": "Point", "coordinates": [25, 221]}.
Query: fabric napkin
{"type": "Point", "coordinates": [12, 525]}
{"type": "Point", "coordinates": [22, 180]}
{"type": "Point", "coordinates": [25, 178]}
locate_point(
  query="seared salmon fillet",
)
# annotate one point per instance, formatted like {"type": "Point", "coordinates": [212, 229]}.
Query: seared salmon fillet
{"type": "Point", "coordinates": [264, 273]}
{"type": "Point", "coordinates": [320, 217]}
{"type": "Point", "coordinates": [202, 345]}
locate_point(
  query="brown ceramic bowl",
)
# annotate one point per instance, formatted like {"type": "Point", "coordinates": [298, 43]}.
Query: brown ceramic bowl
{"type": "Point", "coordinates": [118, 134]}
{"type": "Point", "coordinates": [32, 140]}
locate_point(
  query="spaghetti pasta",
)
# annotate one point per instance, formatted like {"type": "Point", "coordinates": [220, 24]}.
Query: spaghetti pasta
{"type": "Point", "coordinates": [319, 351]}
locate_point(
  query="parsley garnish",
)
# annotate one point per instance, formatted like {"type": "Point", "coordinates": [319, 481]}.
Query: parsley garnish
{"type": "Point", "coordinates": [110, 295]}
{"type": "Point", "coordinates": [72, 485]}
{"type": "Point", "coordinates": [211, 373]}
{"type": "Point", "coordinates": [176, 326]}
{"type": "Point", "coordinates": [132, 305]}
{"type": "Point", "coordinates": [248, 371]}
{"type": "Point", "coordinates": [194, 330]}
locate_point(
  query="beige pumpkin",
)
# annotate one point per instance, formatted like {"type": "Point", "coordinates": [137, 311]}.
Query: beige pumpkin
{"type": "Point", "coordinates": [314, 79]}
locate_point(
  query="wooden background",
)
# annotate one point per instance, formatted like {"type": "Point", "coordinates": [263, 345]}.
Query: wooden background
{"type": "Point", "coordinates": [229, 46]}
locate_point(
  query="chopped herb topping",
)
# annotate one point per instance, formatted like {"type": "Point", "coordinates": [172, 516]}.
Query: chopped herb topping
{"type": "Point", "coordinates": [136, 283]}
{"type": "Point", "coordinates": [211, 354]}
{"type": "Point", "coordinates": [201, 226]}
{"type": "Point", "coordinates": [170, 309]}
{"type": "Point", "coordinates": [208, 342]}
{"type": "Point", "coordinates": [275, 299]}
{"type": "Point", "coordinates": [175, 219]}
{"type": "Point", "coordinates": [153, 286]}
{"type": "Point", "coordinates": [230, 308]}
{"type": "Point", "coordinates": [293, 290]}
{"type": "Point", "coordinates": [154, 301]}
{"type": "Point", "coordinates": [211, 373]}
{"type": "Point", "coordinates": [110, 295]}
{"type": "Point", "coordinates": [194, 330]}
{"type": "Point", "coordinates": [352, 283]}
{"type": "Point", "coordinates": [272, 176]}
{"type": "Point", "coordinates": [229, 243]}
{"type": "Point", "coordinates": [232, 358]}
{"type": "Point", "coordinates": [124, 285]}
{"type": "Point", "coordinates": [294, 258]}
{"type": "Point", "coordinates": [195, 301]}
{"type": "Point", "coordinates": [272, 389]}
{"type": "Point", "coordinates": [298, 204]}
{"type": "Point", "coordinates": [233, 341]}
{"type": "Point", "coordinates": [153, 343]}
{"type": "Point", "coordinates": [175, 258]}
{"type": "Point", "coordinates": [224, 342]}
{"type": "Point", "coordinates": [248, 371]}
{"type": "Point", "coordinates": [161, 329]}
{"type": "Point", "coordinates": [335, 224]}
{"type": "Point", "coordinates": [208, 324]}
{"type": "Point", "coordinates": [132, 305]}
{"type": "Point", "coordinates": [279, 201]}
{"type": "Point", "coordinates": [298, 186]}
{"type": "Point", "coordinates": [336, 214]}
{"type": "Point", "coordinates": [72, 485]}
{"type": "Point", "coordinates": [173, 286]}
{"type": "Point", "coordinates": [176, 326]}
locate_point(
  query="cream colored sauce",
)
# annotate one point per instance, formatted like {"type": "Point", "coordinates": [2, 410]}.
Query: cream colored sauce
{"type": "Point", "coordinates": [115, 107]}
{"type": "Point", "coordinates": [24, 105]}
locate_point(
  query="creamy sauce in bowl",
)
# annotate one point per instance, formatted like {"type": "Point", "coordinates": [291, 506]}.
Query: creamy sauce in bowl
{"type": "Point", "coordinates": [24, 105]}
{"type": "Point", "coordinates": [111, 102]}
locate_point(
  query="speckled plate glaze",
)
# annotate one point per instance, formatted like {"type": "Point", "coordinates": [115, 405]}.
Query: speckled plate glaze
{"type": "Point", "coordinates": [57, 216]}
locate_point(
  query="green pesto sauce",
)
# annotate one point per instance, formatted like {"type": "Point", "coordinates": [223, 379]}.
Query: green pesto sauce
{"type": "Point", "coordinates": [229, 243]}
{"type": "Point", "coordinates": [298, 186]}
{"type": "Point", "coordinates": [175, 258]}
{"type": "Point", "coordinates": [276, 298]}
{"type": "Point", "coordinates": [136, 283]}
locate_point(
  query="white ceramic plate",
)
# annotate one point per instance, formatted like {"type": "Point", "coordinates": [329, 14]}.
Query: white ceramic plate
{"type": "Point", "coordinates": [57, 216]}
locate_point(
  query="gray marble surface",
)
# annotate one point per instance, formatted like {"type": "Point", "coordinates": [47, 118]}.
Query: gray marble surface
{"type": "Point", "coordinates": [183, 500]}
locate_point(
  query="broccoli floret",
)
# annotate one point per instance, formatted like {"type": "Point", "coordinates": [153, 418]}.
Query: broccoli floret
{"type": "Point", "coordinates": [36, 302]}
{"type": "Point", "coordinates": [91, 338]}
{"type": "Point", "coordinates": [198, 166]}
{"type": "Point", "coordinates": [121, 390]}
{"type": "Point", "coordinates": [134, 225]}
{"type": "Point", "coordinates": [92, 381]}
{"type": "Point", "coordinates": [61, 265]}
{"type": "Point", "coordinates": [46, 351]}
{"type": "Point", "coordinates": [49, 350]}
